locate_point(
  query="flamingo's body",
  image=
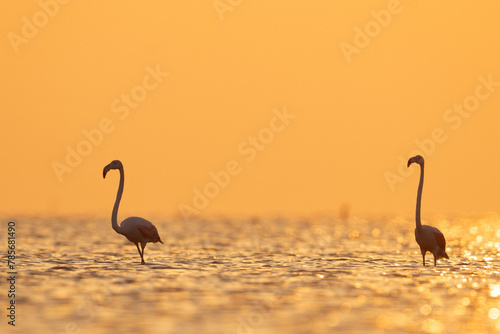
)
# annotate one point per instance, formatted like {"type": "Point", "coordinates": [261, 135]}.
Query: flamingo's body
{"type": "Point", "coordinates": [429, 238]}
{"type": "Point", "coordinates": [135, 229]}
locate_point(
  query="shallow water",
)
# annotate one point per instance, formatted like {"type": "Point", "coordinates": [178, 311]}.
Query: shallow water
{"type": "Point", "coordinates": [257, 275]}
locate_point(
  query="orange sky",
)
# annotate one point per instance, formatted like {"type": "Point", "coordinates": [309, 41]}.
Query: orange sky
{"type": "Point", "coordinates": [356, 103]}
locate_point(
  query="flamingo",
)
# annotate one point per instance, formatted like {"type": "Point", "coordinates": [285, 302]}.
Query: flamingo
{"type": "Point", "coordinates": [137, 230]}
{"type": "Point", "coordinates": [429, 238]}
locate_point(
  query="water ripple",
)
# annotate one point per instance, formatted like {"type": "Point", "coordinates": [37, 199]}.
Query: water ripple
{"type": "Point", "coordinates": [265, 275]}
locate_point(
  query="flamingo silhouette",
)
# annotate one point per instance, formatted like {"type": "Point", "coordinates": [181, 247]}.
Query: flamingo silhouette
{"type": "Point", "coordinates": [429, 238]}
{"type": "Point", "coordinates": [135, 229]}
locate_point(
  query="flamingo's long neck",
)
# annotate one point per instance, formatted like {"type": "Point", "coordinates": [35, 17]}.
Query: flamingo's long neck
{"type": "Point", "coordinates": [419, 197]}
{"type": "Point", "coordinates": [114, 217]}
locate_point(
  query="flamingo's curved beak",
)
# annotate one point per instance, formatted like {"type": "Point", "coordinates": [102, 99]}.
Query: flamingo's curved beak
{"type": "Point", "coordinates": [409, 162]}
{"type": "Point", "coordinates": [105, 171]}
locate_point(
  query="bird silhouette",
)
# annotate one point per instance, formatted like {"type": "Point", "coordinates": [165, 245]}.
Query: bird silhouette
{"type": "Point", "coordinates": [135, 229]}
{"type": "Point", "coordinates": [429, 238]}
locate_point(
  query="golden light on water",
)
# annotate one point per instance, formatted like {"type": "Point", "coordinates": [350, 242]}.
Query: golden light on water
{"type": "Point", "coordinates": [426, 309]}
{"type": "Point", "coordinates": [332, 319]}
{"type": "Point", "coordinates": [391, 321]}
{"type": "Point", "coordinates": [494, 290]}
{"type": "Point", "coordinates": [432, 326]}
{"type": "Point", "coordinates": [271, 278]}
{"type": "Point", "coordinates": [361, 299]}
{"type": "Point", "coordinates": [494, 313]}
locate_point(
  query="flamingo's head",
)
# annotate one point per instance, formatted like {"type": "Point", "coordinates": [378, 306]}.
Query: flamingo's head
{"type": "Point", "coordinates": [417, 159]}
{"type": "Point", "coordinates": [115, 164]}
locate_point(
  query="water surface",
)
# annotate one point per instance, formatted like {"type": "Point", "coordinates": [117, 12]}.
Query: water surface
{"type": "Point", "coordinates": [256, 275]}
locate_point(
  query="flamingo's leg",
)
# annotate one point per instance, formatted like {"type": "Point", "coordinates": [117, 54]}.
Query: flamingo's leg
{"type": "Point", "coordinates": [143, 245]}
{"type": "Point", "coordinates": [141, 254]}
